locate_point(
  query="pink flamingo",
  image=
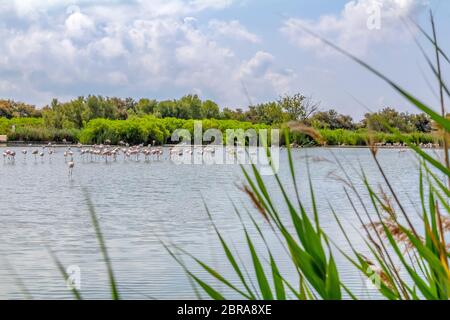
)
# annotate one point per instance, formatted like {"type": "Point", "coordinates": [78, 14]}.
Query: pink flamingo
{"type": "Point", "coordinates": [71, 165]}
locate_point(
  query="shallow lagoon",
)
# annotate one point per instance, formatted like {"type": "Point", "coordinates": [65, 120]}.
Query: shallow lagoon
{"type": "Point", "coordinates": [140, 202]}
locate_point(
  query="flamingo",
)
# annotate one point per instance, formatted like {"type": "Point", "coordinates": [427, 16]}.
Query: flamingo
{"type": "Point", "coordinates": [146, 153]}
{"type": "Point", "coordinates": [9, 155]}
{"type": "Point", "coordinates": [35, 153]}
{"type": "Point", "coordinates": [67, 153]}
{"type": "Point", "coordinates": [71, 165]}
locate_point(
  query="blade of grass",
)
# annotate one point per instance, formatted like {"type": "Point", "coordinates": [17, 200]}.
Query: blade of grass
{"type": "Point", "coordinates": [101, 241]}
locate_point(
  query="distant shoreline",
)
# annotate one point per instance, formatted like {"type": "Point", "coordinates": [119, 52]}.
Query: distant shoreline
{"type": "Point", "coordinates": [61, 145]}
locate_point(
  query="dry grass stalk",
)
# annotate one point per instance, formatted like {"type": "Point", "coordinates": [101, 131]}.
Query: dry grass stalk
{"type": "Point", "coordinates": [321, 159]}
{"type": "Point", "coordinates": [397, 233]}
{"type": "Point", "coordinates": [440, 132]}
{"type": "Point", "coordinates": [299, 127]}
{"type": "Point", "coordinates": [372, 145]}
{"type": "Point", "coordinates": [394, 229]}
{"type": "Point", "coordinates": [387, 204]}
{"type": "Point", "coordinates": [445, 223]}
{"type": "Point", "coordinates": [371, 142]}
{"type": "Point", "coordinates": [333, 175]}
{"type": "Point", "coordinates": [256, 202]}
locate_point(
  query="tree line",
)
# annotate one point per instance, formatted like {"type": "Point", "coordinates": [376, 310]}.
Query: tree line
{"type": "Point", "coordinates": [75, 114]}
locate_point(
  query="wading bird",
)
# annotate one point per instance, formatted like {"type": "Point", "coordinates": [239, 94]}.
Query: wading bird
{"type": "Point", "coordinates": [71, 164]}
{"type": "Point", "coordinates": [9, 155]}
{"type": "Point", "coordinates": [35, 153]}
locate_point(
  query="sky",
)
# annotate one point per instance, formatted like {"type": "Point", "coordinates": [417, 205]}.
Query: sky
{"type": "Point", "coordinates": [235, 52]}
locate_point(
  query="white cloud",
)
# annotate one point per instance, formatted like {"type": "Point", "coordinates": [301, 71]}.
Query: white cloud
{"type": "Point", "coordinates": [151, 8]}
{"type": "Point", "coordinates": [233, 29]}
{"type": "Point", "coordinates": [139, 48]}
{"type": "Point", "coordinates": [260, 70]}
{"type": "Point", "coordinates": [79, 25]}
{"type": "Point", "coordinates": [349, 29]}
{"type": "Point", "coordinates": [109, 47]}
{"type": "Point", "coordinates": [257, 65]}
{"type": "Point", "coordinates": [6, 86]}
{"type": "Point", "coordinates": [208, 4]}
{"type": "Point", "coordinates": [117, 78]}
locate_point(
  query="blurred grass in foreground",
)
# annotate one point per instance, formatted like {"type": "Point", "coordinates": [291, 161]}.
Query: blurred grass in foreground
{"type": "Point", "coordinates": [394, 241]}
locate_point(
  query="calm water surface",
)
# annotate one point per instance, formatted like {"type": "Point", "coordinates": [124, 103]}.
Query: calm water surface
{"type": "Point", "coordinates": [139, 203]}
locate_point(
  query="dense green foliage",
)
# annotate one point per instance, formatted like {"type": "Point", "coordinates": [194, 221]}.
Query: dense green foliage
{"type": "Point", "coordinates": [362, 137]}
{"type": "Point", "coordinates": [12, 109]}
{"type": "Point", "coordinates": [149, 129]}
{"type": "Point", "coordinates": [331, 119]}
{"type": "Point", "coordinates": [78, 112]}
{"type": "Point", "coordinates": [95, 119]}
{"type": "Point", "coordinates": [400, 120]}
{"type": "Point", "coordinates": [34, 130]}
{"type": "Point", "coordinates": [6, 125]}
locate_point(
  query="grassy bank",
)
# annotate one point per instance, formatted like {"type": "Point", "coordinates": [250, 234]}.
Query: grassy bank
{"type": "Point", "coordinates": [362, 136]}
{"type": "Point", "coordinates": [34, 130]}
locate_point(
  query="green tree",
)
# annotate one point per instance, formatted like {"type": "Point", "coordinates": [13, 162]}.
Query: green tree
{"type": "Point", "coordinates": [331, 119]}
{"type": "Point", "coordinates": [166, 109]}
{"type": "Point", "coordinates": [228, 114]}
{"type": "Point", "coordinates": [75, 112]}
{"type": "Point", "coordinates": [389, 117]}
{"type": "Point", "coordinates": [146, 106]}
{"type": "Point", "coordinates": [131, 105]}
{"type": "Point", "coordinates": [422, 122]}
{"type": "Point", "coordinates": [120, 106]}
{"type": "Point", "coordinates": [297, 106]}
{"type": "Point", "coordinates": [190, 107]}
{"type": "Point", "coordinates": [57, 110]}
{"type": "Point", "coordinates": [210, 110]}
{"type": "Point", "coordinates": [12, 109]}
{"type": "Point", "coordinates": [94, 108]}
{"type": "Point", "coordinates": [268, 113]}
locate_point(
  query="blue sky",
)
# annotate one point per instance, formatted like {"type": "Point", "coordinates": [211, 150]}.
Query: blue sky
{"type": "Point", "coordinates": [220, 49]}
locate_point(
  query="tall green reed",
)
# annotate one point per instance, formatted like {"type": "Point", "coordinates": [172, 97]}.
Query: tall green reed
{"type": "Point", "coordinates": [391, 236]}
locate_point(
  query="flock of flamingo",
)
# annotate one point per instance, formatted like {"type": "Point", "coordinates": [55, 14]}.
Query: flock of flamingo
{"type": "Point", "coordinates": [106, 153]}
{"type": "Point", "coordinates": [111, 153]}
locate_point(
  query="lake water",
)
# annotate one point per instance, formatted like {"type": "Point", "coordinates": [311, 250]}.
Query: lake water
{"type": "Point", "coordinates": [141, 203]}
